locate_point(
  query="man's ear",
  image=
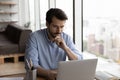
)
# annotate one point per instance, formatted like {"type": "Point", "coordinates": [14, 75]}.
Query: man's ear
{"type": "Point", "coordinates": [47, 24]}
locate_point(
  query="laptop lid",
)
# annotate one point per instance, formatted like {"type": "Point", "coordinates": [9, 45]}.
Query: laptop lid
{"type": "Point", "coordinates": [77, 69]}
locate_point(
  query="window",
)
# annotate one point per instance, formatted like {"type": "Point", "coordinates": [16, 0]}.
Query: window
{"type": "Point", "coordinates": [68, 8]}
{"type": "Point", "coordinates": [101, 22]}
{"type": "Point", "coordinates": [38, 9]}
{"type": "Point", "coordinates": [43, 9]}
{"type": "Point", "coordinates": [32, 14]}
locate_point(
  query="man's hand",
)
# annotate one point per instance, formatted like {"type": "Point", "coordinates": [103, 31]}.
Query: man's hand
{"type": "Point", "coordinates": [60, 42]}
{"type": "Point", "coordinates": [52, 74]}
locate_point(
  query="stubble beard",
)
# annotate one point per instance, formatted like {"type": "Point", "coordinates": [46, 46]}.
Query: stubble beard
{"type": "Point", "coordinates": [51, 34]}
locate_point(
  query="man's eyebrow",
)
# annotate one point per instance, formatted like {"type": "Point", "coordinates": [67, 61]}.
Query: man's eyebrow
{"type": "Point", "coordinates": [58, 26]}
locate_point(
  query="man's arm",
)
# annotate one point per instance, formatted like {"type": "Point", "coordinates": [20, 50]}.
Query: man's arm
{"type": "Point", "coordinates": [48, 74]}
{"type": "Point", "coordinates": [71, 55]}
{"type": "Point", "coordinates": [32, 53]}
{"type": "Point", "coordinates": [61, 43]}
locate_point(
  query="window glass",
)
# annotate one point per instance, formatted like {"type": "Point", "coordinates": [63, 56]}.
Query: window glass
{"type": "Point", "coordinates": [32, 14]}
{"type": "Point", "coordinates": [101, 22]}
{"type": "Point", "coordinates": [38, 9]}
{"type": "Point", "coordinates": [43, 9]}
{"type": "Point", "coordinates": [67, 6]}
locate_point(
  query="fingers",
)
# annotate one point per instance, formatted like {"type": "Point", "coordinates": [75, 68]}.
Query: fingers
{"type": "Point", "coordinates": [58, 40]}
{"type": "Point", "coordinates": [52, 75]}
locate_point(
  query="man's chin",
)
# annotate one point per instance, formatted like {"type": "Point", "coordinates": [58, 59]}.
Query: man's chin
{"type": "Point", "coordinates": [54, 36]}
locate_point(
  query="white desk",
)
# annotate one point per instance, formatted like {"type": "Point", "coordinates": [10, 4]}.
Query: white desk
{"type": "Point", "coordinates": [12, 78]}
{"type": "Point", "coordinates": [105, 65]}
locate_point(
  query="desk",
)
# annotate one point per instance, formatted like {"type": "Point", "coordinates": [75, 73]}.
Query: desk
{"type": "Point", "coordinates": [22, 75]}
{"type": "Point", "coordinates": [39, 78]}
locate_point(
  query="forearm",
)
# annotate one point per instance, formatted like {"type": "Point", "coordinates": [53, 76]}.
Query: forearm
{"type": "Point", "coordinates": [42, 72]}
{"type": "Point", "coordinates": [48, 74]}
{"type": "Point", "coordinates": [61, 43]}
{"type": "Point", "coordinates": [70, 54]}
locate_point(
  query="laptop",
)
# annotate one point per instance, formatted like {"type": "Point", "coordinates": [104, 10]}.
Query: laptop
{"type": "Point", "coordinates": [77, 69]}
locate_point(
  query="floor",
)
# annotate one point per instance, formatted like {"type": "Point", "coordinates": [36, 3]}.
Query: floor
{"type": "Point", "coordinates": [12, 68]}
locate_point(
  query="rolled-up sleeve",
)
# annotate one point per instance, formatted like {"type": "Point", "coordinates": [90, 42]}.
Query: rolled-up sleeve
{"type": "Point", "coordinates": [72, 46]}
{"type": "Point", "coordinates": [31, 51]}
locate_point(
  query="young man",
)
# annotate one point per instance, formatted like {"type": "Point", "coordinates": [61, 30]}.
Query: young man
{"type": "Point", "coordinates": [48, 46]}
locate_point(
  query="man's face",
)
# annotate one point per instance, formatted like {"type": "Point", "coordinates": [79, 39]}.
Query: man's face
{"type": "Point", "coordinates": [55, 27]}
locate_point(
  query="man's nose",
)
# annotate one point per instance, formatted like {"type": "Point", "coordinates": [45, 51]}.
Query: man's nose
{"type": "Point", "coordinates": [59, 30]}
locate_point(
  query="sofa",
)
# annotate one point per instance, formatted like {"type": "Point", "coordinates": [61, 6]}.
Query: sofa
{"type": "Point", "coordinates": [13, 39]}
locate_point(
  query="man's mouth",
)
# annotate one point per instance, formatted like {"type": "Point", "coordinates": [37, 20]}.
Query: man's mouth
{"type": "Point", "coordinates": [56, 35]}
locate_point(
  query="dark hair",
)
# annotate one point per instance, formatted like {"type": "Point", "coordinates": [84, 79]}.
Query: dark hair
{"type": "Point", "coordinates": [55, 12]}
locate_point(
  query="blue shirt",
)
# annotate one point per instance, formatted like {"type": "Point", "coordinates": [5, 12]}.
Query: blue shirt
{"type": "Point", "coordinates": [45, 53]}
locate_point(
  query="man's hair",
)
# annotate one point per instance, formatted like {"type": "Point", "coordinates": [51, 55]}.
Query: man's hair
{"type": "Point", "coordinates": [55, 12]}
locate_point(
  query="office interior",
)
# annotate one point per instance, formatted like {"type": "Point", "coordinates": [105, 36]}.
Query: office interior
{"type": "Point", "coordinates": [93, 25]}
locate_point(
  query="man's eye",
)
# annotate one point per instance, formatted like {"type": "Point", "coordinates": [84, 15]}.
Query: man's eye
{"type": "Point", "coordinates": [62, 26]}
{"type": "Point", "coordinates": [55, 26]}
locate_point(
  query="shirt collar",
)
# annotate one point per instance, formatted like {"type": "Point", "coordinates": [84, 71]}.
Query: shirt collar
{"type": "Point", "coordinates": [46, 35]}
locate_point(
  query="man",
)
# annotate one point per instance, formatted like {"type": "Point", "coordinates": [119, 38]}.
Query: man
{"type": "Point", "coordinates": [48, 46]}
